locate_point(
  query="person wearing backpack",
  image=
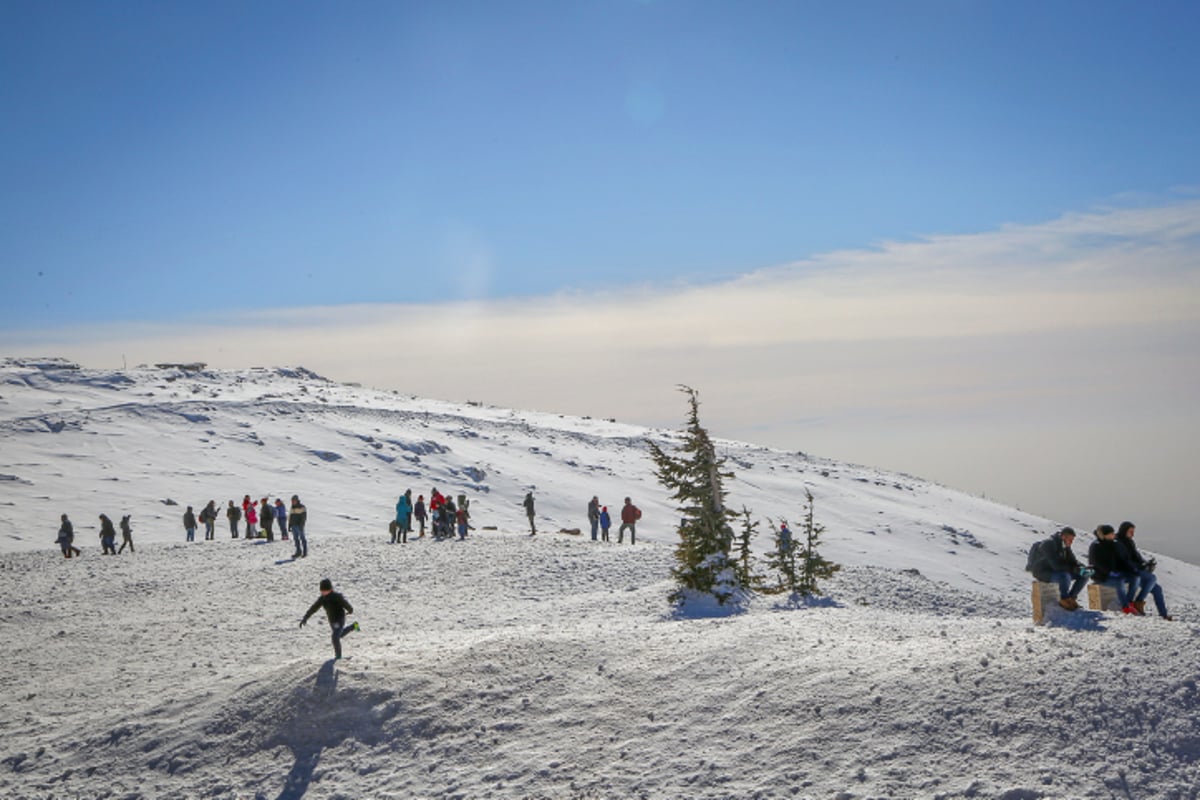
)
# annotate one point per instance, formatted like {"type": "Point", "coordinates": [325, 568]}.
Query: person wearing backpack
{"type": "Point", "coordinates": [1147, 581]}
{"type": "Point", "coordinates": [630, 514]}
{"type": "Point", "coordinates": [1054, 562]}
{"type": "Point", "coordinates": [1110, 566]}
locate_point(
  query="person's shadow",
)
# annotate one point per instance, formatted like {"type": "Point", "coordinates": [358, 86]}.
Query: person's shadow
{"type": "Point", "coordinates": [322, 718]}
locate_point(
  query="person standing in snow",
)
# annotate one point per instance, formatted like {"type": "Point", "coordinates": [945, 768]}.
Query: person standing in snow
{"type": "Point", "coordinates": [1057, 564]}
{"type": "Point", "coordinates": [419, 513]}
{"type": "Point", "coordinates": [266, 516]}
{"type": "Point", "coordinates": [336, 608]}
{"type": "Point", "coordinates": [126, 535]}
{"type": "Point", "coordinates": [108, 536]}
{"type": "Point", "coordinates": [66, 538]}
{"type": "Point", "coordinates": [247, 505]}
{"type": "Point", "coordinates": [605, 523]}
{"type": "Point", "coordinates": [234, 515]}
{"type": "Point", "coordinates": [630, 514]}
{"type": "Point", "coordinates": [460, 517]}
{"type": "Point", "coordinates": [1147, 581]}
{"type": "Point", "coordinates": [281, 518]}
{"type": "Point", "coordinates": [1109, 566]}
{"type": "Point", "coordinates": [209, 518]}
{"type": "Point", "coordinates": [403, 517]}
{"type": "Point", "coordinates": [297, 519]}
{"type": "Point", "coordinates": [189, 524]}
{"type": "Point", "coordinates": [529, 512]}
{"type": "Point", "coordinates": [251, 521]}
{"type": "Point", "coordinates": [593, 514]}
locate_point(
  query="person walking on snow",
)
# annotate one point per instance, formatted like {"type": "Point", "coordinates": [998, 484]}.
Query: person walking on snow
{"type": "Point", "coordinates": [108, 536]}
{"type": "Point", "coordinates": [593, 513]}
{"type": "Point", "coordinates": [66, 538]}
{"type": "Point", "coordinates": [126, 535]}
{"type": "Point", "coordinates": [630, 514]}
{"type": "Point", "coordinates": [605, 523]}
{"type": "Point", "coordinates": [336, 608]}
{"type": "Point", "coordinates": [209, 517]}
{"type": "Point", "coordinates": [530, 513]}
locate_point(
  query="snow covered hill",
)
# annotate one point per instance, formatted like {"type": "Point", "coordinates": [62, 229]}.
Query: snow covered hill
{"type": "Point", "coordinates": [510, 666]}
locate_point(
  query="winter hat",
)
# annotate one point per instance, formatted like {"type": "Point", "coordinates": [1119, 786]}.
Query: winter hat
{"type": "Point", "coordinates": [326, 585]}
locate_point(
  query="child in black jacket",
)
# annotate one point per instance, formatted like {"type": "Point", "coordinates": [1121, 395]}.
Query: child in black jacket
{"type": "Point", "coordinates": [336, 608]}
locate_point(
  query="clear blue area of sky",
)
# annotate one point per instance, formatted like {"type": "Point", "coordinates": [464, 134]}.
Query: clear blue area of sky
{"type": "Point", "coordinates": [161, 159]}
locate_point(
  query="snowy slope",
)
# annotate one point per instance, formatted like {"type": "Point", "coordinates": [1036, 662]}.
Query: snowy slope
{"type": "Point", "coordinates": [510, 666]}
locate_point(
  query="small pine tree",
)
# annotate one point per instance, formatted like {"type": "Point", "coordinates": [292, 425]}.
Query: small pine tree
{"type": "Point", "coordinates": [695, 480]}
{"type": "Point", "coordinates": [745, 556]}
{"type": "Point", "coordinates": [812, 566]}
{"type": "Point", "coordinates": [783, 559]}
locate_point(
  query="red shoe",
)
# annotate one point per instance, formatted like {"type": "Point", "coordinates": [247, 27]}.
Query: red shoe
{"type": "Point", "coordinates": [1129, 609]}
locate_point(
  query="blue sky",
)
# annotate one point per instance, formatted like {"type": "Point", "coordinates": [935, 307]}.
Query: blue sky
{"type": "Point", "coordinates": [168, 158]}
{"type": "Point", "coordinates": [960, 240]}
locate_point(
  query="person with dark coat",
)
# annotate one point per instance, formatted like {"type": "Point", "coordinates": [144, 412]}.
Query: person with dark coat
{"type": "Point", "coordinates": [234, 515]}
{"type": "Point", "coordinates": [66, 538]}
{"type": "Point", "coordinates": [189, 524]}
{"type": "Point", "coordinates": [336, 608]}
{"type": "Point", "coordinates": [529, 512]}
{"type": "Point", "coordinates": [126, 535]}
{"type": "Point", "coordinates": [420, 513]}
{"type": "Point", "coordinates": [593, 514]}
{"type": "Point", "coordinates": [297, 519]}
{"type": "Point", "coordinates": [208, 515]}
{"type": "Point", "coordinates": [1147, 581]}
{"type": "Point", "coordinates": [1110, 566]}
{"type": "Point", "coordinates": [108, 536]}
{"type": "Point", "coordinates": [1057, 564]}
{"type": "Point", "coordinates": [266, 518]}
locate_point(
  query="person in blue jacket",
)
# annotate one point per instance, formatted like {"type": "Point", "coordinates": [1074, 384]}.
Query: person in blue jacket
{"type": "Point", "coordinates": [605, 523]}
{"type": "Point", "coordinates": [404, 510]}
{"type": "Point", "coordinates": [336, 608]}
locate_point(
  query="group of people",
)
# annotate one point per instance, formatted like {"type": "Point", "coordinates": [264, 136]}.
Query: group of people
{"type": "Point", "coordinates": [108, 537]}
{"type": "Point", "coordinates": [600, 521]}
{"type": "Point", "coordinates": [261, 519]}
{"type": "Point", "coordinates": [1113, 560]}
{"type": "Point", "coordinates": [444, 516]}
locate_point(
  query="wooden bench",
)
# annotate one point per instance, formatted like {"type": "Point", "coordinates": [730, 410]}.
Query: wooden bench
{"type": "Point", "coordinates": [1102, 598]}
{"type": "Point", "coordinates": [1045, 597]}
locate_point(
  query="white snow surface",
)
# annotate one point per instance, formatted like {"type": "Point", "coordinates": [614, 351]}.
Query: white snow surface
{"type": "Point", "coordinates": [511, 666]}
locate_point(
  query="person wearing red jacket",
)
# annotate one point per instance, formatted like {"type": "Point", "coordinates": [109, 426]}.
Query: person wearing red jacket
{"type": "Point", "coordinates": [630, 514]}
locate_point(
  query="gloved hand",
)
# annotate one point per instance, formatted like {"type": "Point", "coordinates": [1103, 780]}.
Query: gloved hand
{"type": "Point", "coordinates": [302, 622]}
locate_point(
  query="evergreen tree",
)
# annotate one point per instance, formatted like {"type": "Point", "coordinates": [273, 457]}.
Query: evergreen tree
{"type": "Point", "coordinates": [695, 479]}
{"type": "Point", "coordinates": [812, 566]}
{"type": "Point", "coordinates": [783, 559]}
{"type": "Point", "coordinates": [745, 556]}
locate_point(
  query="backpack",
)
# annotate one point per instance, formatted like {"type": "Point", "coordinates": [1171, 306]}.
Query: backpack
{"type": "Point", "coordinates": [1035, 555]}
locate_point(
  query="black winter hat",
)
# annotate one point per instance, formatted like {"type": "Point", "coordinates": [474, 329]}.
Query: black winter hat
{"type": "Point", "coordinates": [326, 585]}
